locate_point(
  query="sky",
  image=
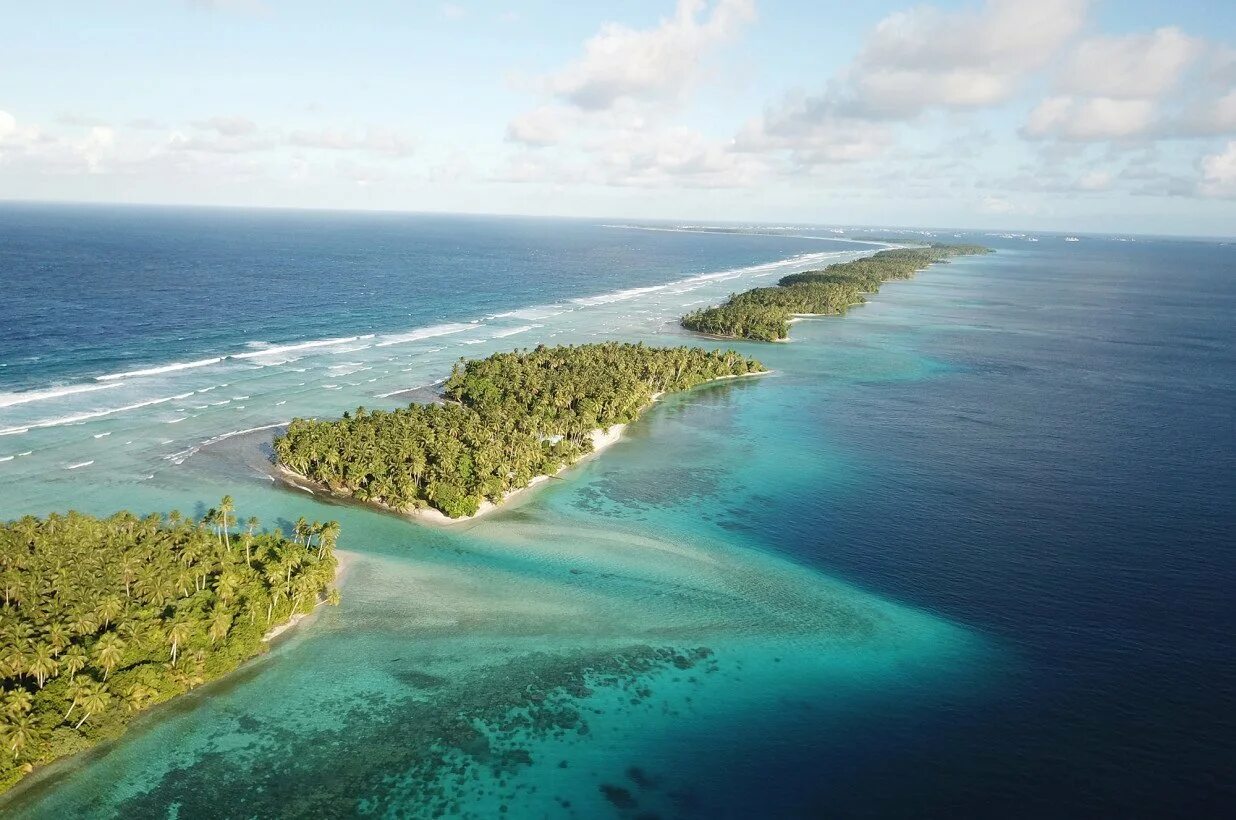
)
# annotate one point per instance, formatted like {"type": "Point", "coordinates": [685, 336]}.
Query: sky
{"type": "Point", "coordinates": [1065, 115]}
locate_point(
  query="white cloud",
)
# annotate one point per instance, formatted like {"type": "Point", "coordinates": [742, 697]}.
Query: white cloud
{"type": "Point", "coordinates": [1132, 66]}
{"type": "Point", "coordinates": [925, 57]}
{"type": "Point", "coordinates": [228, 126]}
{"type": "Point", "coordinates": [539, 127]}
{"type": "Point", "coordinates": [378, 141]}
{"type": "Point", "coordinates": [1095, 118]}
{"type": "Point", "coordinates": [659, 63]}
{"type": "Point", "coordinates": [1207, 116]}
{"type": "Point", "coordinates": [813, 141]}
{"type": "Point", "coordinates": [1219, 173]}
{"type": "Point", "coordinates": [1095, 181]}
{"type": "Point", "coordinates": [913, 62]}
{"type": "Point", "coordinates": [675, 156]}
{"type": "Point", "coordinates": [607, 117]}
{"type": "Point", "coordinates": [997, 205]}
{"type": "Point", "coordinates": [8, 125]}
{"type": "Point", "coordinates": [218, 144]}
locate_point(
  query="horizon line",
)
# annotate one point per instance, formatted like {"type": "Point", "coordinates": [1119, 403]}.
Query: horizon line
{"type": "Point", "coordinates": [4, 201]}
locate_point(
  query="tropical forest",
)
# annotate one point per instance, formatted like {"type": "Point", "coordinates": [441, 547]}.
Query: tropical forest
{"type": "Point", "coordinates": [764, 314]}
{"type": "Point", "coordinates": [505, 420]}
{"type": "Point", "coordinates": [103, 617]}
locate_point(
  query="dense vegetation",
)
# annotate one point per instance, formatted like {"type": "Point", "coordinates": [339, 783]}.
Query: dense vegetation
{"type": "Point", "coordinates": [764, 314]}
{"type": "Point", "coordinates": [102, 617]}
{"type": "Point", "coordinates": [508, 418]}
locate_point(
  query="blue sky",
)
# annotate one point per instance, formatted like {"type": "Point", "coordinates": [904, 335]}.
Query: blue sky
{"type": "Point", "coordinates": [1057, 114]}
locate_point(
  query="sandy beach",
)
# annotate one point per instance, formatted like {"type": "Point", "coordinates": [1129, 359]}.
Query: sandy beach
{"type": "Point", "coordinates": [602, 439]}
{"type": "Point", "coordinates": [344, 559]}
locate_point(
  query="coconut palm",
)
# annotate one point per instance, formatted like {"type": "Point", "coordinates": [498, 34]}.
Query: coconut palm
{"type": "Point", "coordinates": [138, 696]}
{"type": "Point", "coordinates": [108, 652]}
{"type": "Point", "coordinates": [73, 660]}
{"type": "Point", "coordinates": [77, 689]}
{"type": "Point", "coordinates": [226, 508]}
{"type": "Point", "coordinates": [177, 634]}
{"type": "Point", "coordinates": [18, 733]}
{"type": "Point", "coordinates": [95, 698]}
{"type": "Point", "coordinates": [42, 664]}
{"type": "Point", "coordinates": [18, 702]}
{"type": "Point", "coordinates": [84, 597]}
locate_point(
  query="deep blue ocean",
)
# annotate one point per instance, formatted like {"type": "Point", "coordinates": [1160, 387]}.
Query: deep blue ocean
{"type": "Point", "coordinates": [968, 551]}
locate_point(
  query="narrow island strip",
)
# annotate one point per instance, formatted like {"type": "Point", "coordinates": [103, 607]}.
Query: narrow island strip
{"type": "Point", "coordinates": [507, 422]}
{"type": "Point", "coordinates": [102, 618]}
{"type": "Point", "coordinates": [765, 314]}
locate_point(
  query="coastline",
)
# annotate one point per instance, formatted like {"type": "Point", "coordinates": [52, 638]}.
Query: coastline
{"type": "Point", "coordinates": [602, 439]}
{"type": "Point", "coordinates": [55, 767]}
{"type": "Point", "coordinates": [344, 561]}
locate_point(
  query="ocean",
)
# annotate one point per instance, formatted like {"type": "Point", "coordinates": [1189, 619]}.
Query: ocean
{"type": "Point", "coordinates": [966, 551]}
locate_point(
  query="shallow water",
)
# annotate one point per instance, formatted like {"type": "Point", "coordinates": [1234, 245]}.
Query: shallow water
{"type": "Point", "coordinates": [934, 563]}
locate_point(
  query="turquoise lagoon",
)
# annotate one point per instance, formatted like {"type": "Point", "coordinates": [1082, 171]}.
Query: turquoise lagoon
{"type": "Point", "coordinates": [626, 640]}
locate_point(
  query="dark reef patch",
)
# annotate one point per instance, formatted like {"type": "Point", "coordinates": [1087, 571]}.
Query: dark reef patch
{"type": "Point", "coordinates": [446, 743]}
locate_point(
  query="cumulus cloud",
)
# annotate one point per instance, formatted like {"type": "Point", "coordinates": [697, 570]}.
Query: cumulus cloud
{"type": "Point", "coordinates": [913, 62]}
{"type": "Point", "coordinates": [1132, 66]}
{"type": "Point", "coordinates": [608, 116]}
{"type": "Point", "coordinates": [1153, 85]}
{"type": "Point", "coordinates": [925, 57]}
{"type": "Point", "coordinates": [672, 156]}
{"type": "Point", "coordinates": [1209, 117]}
{"type": "Point", "coordinates": [539, 127]}
{"type": "Point", "coordinates": [622, 63]}
{"type": "Point", "coordinates": [679, 156]}
{"type": "Point", "coordinates": [1095, 118]}
{"type": "Point", "coordinates": [1219, 173]}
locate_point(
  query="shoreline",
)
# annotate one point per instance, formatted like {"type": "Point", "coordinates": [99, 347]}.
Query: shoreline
{"type": "Point", "coordinates": [602, 439]}
{"type": "Point", "coordinates": [344, 561]}
{"type": "Point", "coordinates": [56, 767]}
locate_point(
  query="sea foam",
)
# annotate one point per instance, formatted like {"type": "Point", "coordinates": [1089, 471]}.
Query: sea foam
{"type": "Point", "coordinates": [11, 399]}
{"type": "Point", "coordinates": [423, 333]}
{"type": "Point", "coordinates": [154, 371]}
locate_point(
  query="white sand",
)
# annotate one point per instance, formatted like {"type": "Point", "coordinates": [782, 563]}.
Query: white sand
{"type": "Point", "coordinates": [341, 570]}
{"type": "Point", "coordinates": [601, 440]}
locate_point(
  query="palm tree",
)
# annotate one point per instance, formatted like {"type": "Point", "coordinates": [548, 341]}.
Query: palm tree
{"type": "Point", "coordinates": [59, 636]}
{"type": "Point", "coordinates": [83, 624]}
{"type": "Point", "coordinates": [220, 623]}
{"type": "Point", "coordinates": [78, 687]}
{"type": "Point", "coordinates": [73, 661]}
{"type": "Point", "coordinates": [83, 596]}
{"type": "Point", "coordinates": [108, 651]}
{"type": "Point", "coordinates": [42, 664]}
{"type": "Point", "coordinates": [18, 702]}
{"type": "Point", "coordinates": [177, 634]}
{"type": "Point", "coordinates": [108, 609]}
{"type": "Point", "coordinates": [251, 526]}
{"type": "Point", "coordinates": [18, 733]}
{"type": "Point", "coordinates": [138, 695]}
{"type": "Point", "coordinates": [94, 700]}
{"type": "Point", "coordinates": [328, 538]}
{"type": "Point", "coordinates": [301, 528]}
{"type": "Point", "coordinates": [226, 508]}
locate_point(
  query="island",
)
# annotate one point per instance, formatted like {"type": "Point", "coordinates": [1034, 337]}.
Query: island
{"type": "Point", "coordinates": [104, 617]}
{"type": "Point", "coordinates": [505, 422]}
{"type": "Point", "coordinates": [765, 314]}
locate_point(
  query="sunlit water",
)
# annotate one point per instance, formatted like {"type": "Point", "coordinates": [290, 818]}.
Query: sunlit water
{"type": "Point", "coordinates": [911, 570]}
